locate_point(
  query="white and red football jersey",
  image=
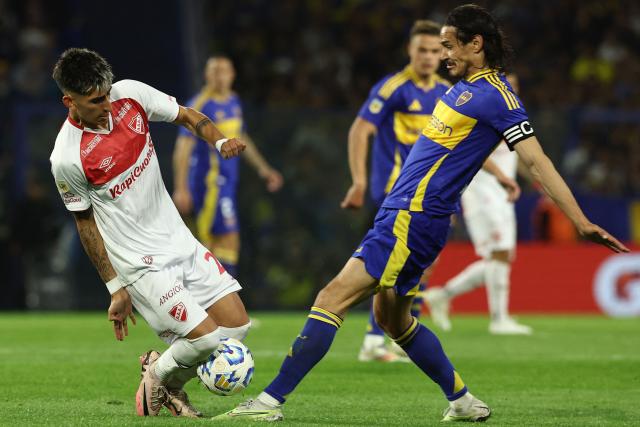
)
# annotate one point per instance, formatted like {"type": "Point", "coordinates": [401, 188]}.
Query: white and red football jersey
{"type": "Point", "coordinates": [116, 173]}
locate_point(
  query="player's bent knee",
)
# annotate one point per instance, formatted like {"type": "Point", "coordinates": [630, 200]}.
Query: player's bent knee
{"type": "Point", "coordinates": [188, 352]}
{"type": "Point", "coordinates": [239, 333]}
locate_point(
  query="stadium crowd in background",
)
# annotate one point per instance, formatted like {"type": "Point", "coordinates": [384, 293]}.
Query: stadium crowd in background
{"type": "Point", "coordinates": [318, 59]}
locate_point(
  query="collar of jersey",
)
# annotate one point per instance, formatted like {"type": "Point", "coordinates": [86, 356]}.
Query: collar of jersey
{"type": "Point", "coordinates": [86, 129]}
{"type": "Point", "coordinates": [417, 81]}
{"type": "Point", "coordinates": [474, 77]}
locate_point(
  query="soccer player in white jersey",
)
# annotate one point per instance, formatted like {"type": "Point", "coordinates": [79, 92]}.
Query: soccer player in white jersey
{"type": "Point", "coordinates": [491, 222]}
{"type": "Point", "coordinates": [105, 167]}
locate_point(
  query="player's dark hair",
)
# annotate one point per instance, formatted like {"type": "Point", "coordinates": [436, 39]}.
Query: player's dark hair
{"type": "Point", "coordinates": [471, 20]}
{"type": "Point", "coordinates": [425, 26]}
{"type": "Point", "coordinates": [82, 71]}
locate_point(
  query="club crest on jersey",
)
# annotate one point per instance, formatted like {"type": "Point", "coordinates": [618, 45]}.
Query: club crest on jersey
{"type": "Point", "coordinates": [179, 312]}
{"type": "Point", "coordinates": [137, 124]}
{"type": "Point", "coordinates": [376, 106]}
{"type": "Point", "coordinates": [463, 98]}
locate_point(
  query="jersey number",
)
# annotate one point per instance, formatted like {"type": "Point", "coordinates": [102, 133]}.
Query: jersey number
{"type": "Point", "coordinates": [209, 256]}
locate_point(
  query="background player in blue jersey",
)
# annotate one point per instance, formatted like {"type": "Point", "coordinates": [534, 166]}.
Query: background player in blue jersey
{"type": "Point", "coordinates": [203, 184]}
{"type": "Point", "coordinates": [412, 225]}
{"type": "Point", "coordinates": [398, 108]}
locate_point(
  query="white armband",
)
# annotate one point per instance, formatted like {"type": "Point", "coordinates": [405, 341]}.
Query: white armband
{"type": "Point", "coordinates": [114, 285]}
{"type": "Point", "coordinates": [220, 142]}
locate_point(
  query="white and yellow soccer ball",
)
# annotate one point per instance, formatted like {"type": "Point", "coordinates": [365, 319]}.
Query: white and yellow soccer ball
{"type": "Point", "coordinates": [228, 370]}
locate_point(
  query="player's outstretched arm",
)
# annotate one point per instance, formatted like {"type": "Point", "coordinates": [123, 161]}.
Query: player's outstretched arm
{"type": "Point", "coordinates": [181, 157]}
{"type": "Point", "coordinates": [120, 308]}
{"type": "Point", "coordinates": [272, 177]}
{"type": "Point", "coordinates": [554, 186]}
{"type": "Point", "coordinates": [359, 134]}
{"type": "Point", "coordinates": [202, 127]}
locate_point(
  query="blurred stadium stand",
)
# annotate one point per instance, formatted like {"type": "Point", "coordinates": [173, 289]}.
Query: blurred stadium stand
{"type": "Point", "coordinates": [304, 68]}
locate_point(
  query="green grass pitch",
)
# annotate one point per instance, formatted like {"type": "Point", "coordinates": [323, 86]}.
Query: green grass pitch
{"type": "Point", "coordinates": [67, 369]}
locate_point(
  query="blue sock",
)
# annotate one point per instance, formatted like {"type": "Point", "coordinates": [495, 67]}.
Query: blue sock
{"type": "Point", "coordinates": [372, 327]}
{"type": "Point", "coordinates": [424, 349]}
{"type": "Point", "coordinates": [416, 307]}
{"type": "Point", "coordinates": [307, 350]}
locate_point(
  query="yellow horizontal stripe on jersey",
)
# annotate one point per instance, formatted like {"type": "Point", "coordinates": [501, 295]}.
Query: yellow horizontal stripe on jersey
{"type": "Point", "coordinates": [416, 202]}
{"type": "Point", "coordinates": [335, 317]}
{"type": "Point", "coordinates": [205, 218]}
{"type": "Point", "coordinates": [400, 251]}
{"type": "Point", "coordinates": [227, 256]}
{"type": "Point", "coordinates": [511, 101]}
{"type": "Point", "coordinates": [324, 319]}
{"type": "Point", "coordinates": [395, 172]}
{"type": "Point", "coordinates": [392, 84]}
{"type": "Point", "coordinates": [407, 127]}
{"type": "Point", "coordinates": [448, 127]}
{"type": "Point", "coordinates": [230, 128]}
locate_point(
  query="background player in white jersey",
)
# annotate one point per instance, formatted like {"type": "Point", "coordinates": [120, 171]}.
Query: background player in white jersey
{"type": "Point", "coordinates": [491, 222]}
{"type": "Point", "coordinates": [205, 185]}
{"type": "Point", "coordinates": [105, 166]}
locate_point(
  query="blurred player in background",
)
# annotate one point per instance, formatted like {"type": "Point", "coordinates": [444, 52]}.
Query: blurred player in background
{"type": "Point", "coordinates": [205, 185]}
{"type": "Point", "coordinates": [105, 167]}
{"type": "Point", "coordinates": [412, 225]}
{"type": "Point", "coordinates": [491, 222]}
{"type": "Point", "coordinates": [398, 108]}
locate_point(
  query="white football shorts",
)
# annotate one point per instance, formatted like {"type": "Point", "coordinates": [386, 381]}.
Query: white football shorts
{"type": "Point", "coordinates": [174, 300]}
{"type": "Point", "coordinates": [490, 219]}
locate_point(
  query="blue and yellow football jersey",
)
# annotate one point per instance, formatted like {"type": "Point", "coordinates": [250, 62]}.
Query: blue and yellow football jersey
{"type": "Point", "coordinates": [400, 106]}
{"type": "Point", "coordinates": [466, 125]}
{"type": "Point", "coordinates": [207, 167]}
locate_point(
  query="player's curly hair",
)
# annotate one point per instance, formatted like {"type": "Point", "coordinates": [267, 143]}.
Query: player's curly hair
{"type": "Point", "coordinates": [471, 20]}
{"type": "Point", "coordinates": [82, 71]}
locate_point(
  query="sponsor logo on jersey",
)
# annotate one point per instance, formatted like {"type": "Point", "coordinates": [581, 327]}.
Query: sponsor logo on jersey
{"type": "Point", "coordinates": [123, 112]}
{"type": "Point", "coordinates": [440, 126]}
{"type": "Point", "coordinates": [105, 162]}
{"type": "Point", "coordinates": [147, 259]}
{"type": "Point", "coordinates": [415, 106]}
{"type": "Point", "coordinates": [91, 145]}
{"type": "Point", "coordinates": [137, 124]}
{"type": "Point", "coordinates": [171, 293]}
{"type": "Point", "coordinates": [118, 189]}
{"type": "Point", "coordinates": [179, 312]}
{"type": "Point", "coordinates": [376, 106]}
{"type": "Point", "coordinates": [463, 98]}
{"type": "Point", "coordinates": [68, 196]}
{"type": "Point", "coordinates": [62, 186]}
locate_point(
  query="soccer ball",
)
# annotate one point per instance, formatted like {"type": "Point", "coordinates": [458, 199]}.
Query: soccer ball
{"type": "Point", "coordinates": [228, 370]}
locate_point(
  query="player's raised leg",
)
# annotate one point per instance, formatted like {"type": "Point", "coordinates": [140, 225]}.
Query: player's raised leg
{"type": "Point", "coordinates": [393, 313]}
{"type": "Point", "coordinates": [350, 286]}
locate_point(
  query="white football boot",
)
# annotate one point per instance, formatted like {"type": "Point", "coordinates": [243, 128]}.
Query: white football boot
{"type": "Point", "coordinates": [509, 326]}
{"type": "Point", "coordinates": [475, 410]}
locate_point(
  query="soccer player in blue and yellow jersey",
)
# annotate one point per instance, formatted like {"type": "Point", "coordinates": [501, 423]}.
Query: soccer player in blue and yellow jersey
{"type": "Point", "coordinates": [398, 108]}
{"type": "Point", "coordinates": [412, 224]}
{"type": "Point", "coordinates": [206, 186]}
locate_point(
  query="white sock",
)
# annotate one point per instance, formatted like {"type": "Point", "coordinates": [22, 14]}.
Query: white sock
{"type": "Point", "coordinates": [185, 353]}
{"type": "Point", "coordinates": [268, 400]}
{"type": "Point", "coordinates": [373, 340]}
{"type": "Point", "coordinates": [467, 280]}
{"type": "Point", "coordinates": [497, 279]}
